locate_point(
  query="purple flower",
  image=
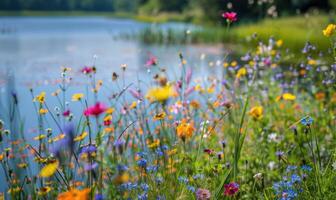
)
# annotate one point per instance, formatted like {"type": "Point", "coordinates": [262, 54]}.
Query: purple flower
{"type": "Point", "coordinates": [89, 167]}
{"type": "Point", "coordinates": [203, 194]}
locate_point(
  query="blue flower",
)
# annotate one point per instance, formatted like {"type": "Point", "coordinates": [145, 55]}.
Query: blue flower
{"type": "Point", "coordinates": [161, 197]}
{"type": "Point", "coordinates": [142, 163]}
{"type": "Point", "coordinates": [306, 168]}
{"type": "Point", "coordinates": [159, 152]}
{"type": "Point", "coordinates": [198, 176]}
{"type": "Point", "coordinates": [122, 168]}
{"type": "Point", "coordinates": [143, 196]}
{"type": "Point", "coordinates": [99, 197]}
{"type": "Point", "coordinates": [159, 180]}
{"type": "Point", "coordinates": [165, 147]}
{"type": "Point", "coordinates": [152, 168]}
{"type": "Point", "coordinates": [307, 121]}
{"type": "Point", "coordinates": [183, 179]}
{"type": "Point", "coordinates": [89, 149]}
{"type": "Point", "coordinates": [144, 187]}
{"type": "Point", "coordinates": [291, 168]}
{"type": "Point", "coordinates": [295, 178]}
{"type": "Point", "coordinates": [128, 186]}
{"type": "Point", "coordinates": [191, 188]}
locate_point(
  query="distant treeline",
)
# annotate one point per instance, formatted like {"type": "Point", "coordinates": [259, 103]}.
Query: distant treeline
{"type": "Point", "coordinates": [207, 9]}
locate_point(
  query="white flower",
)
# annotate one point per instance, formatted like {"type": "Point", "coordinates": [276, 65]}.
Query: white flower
{"type": "Point", "coordinates": [334, 165]}
{"type": "Point", "coordinates": [258, 176]}
{"type": "Point", "coordinates": [271, 165]}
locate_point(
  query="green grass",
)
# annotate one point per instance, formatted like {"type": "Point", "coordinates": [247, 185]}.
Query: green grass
{"type": "Point", "coordinates": [294, 31]}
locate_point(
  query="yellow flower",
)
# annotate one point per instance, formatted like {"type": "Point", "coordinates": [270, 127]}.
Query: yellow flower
{"type": "Point", "coordinates": [22, 165]}
{"type": "Point", "coordinates": [185, 130]}
{"type": "Point", "coordinates": [40, 137]}
{"type": "Point", "coordinates": [329, 30]}
{"type": "Point", "coordinates": [58, 137]}
{"type": "Point", "coordinates": [312, 62]}
{"type": "Point", "coordinates": [288, 96]}
{"type": "Point", "coordinates": [279, 43]}
{"type": "Point", "coordinates": [74, 194]}
{"type": "Point", "coordinates": [241, 72]}
{"type": "Point", "coordinates": [159, 116]}
{"type": "Point", "coordinates": [211, 89]}
{"type": "Point", "coordinates": [154, 144]}
{"type": "Point", "coordinates": [225, 64]}
{"type": "Point", "coordinates": [109, 111]}
{"type": "Point", "coordinates": [49, 169]}
{"type": "Point", "coordinates": [122, 178]}
{"type": "Point", "coordinates": [14, 190]}
{"type": "Point", "coordinates": [77, 97]}
{"type": "Point", "coordinates": [81, 136]}
{"type": "Point", "coordinates": [40, 98]}
{"type": "Point", "coordinates": [2, 156]}
{"type": "Point", "coordinates": [43, 191]}
{"type": "Point", "coordinates": [234, 63]}
{"type": "Point", "coordinates": [43, 111]}
{"type": "Point", "coordinates": [256, 112]}
{"type": "Point", "coordinates": [133, 105]}
{"type": "Point", "coordinates": [160, 93]}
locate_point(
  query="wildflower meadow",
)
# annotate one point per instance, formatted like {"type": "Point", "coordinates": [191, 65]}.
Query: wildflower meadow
{"type": "Point", "coordinates": [263, 128]}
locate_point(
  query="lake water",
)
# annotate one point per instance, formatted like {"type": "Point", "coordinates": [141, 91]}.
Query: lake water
{"type": "Point", "coordinates": [32, 50]}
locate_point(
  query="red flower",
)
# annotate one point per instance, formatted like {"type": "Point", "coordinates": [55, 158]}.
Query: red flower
{"type": "Point", "coordinates": [230, 16]}
{"type": "Point", "coordinates": [231, 189]}
{"type": "Point", "coordinates": [95, 110]}
{"type": "Point", "coordinates": [66, 113]}
{"type": "Point", "coordinates": [87, 70]}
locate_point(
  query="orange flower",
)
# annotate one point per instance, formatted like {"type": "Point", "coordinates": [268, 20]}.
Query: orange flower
{"type": "Point", "coordinates": [74, 194]}
{"type": "Point", "coordinates": [185, 130]}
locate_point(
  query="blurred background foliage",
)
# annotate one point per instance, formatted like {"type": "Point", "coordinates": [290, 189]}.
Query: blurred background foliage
{"type": "Point", "coordinates": [206, 11]}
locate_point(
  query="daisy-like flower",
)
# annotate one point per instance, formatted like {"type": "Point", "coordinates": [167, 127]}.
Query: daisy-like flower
{"type": "Point", "coordinates": [49, 169]}
{"type": "Point", "coordinates": [40, 98]}
{"type": "Point", "coordinates": [159, 116]}
{"type": "Point", "coordinates": [185, 129]}
{"type": "Point", "coordinates": [160, 94]}
{"type": "Point", "coordinates": [75, 194]}
{"type": "Point", "coordinates": [77, 97]}
{"type": "Point", "coordinates": [256, 112]}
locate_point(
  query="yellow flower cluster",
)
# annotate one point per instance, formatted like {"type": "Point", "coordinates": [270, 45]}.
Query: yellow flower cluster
{"type": "Point", "coordinates": [329, 30]}
{"type": "Point", "coordinates": [160, 93]}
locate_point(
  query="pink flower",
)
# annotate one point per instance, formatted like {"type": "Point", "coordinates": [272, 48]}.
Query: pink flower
{"type": "Point", "coordinates": [135, 93]}
{"type": "Point", "coordinates": [231, 189]}
{"type": "Point", "coordinates": [95, 110]}
{"type": "Point", "coordinates": [189, 75]}
{"type": "Point", "coordinates": [87, 70]}
{"type": "Point", "coordinates": [66, 113]}
{"type": "Point", "coordinates": [230, 16]}
{"type": "Point", "coordinates": [152, 60]}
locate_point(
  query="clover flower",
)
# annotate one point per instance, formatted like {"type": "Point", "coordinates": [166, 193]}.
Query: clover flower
{"type": "Point", "coordinates": [203, 194]}
{"type": "Point", "coordinates": [231, 189]}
